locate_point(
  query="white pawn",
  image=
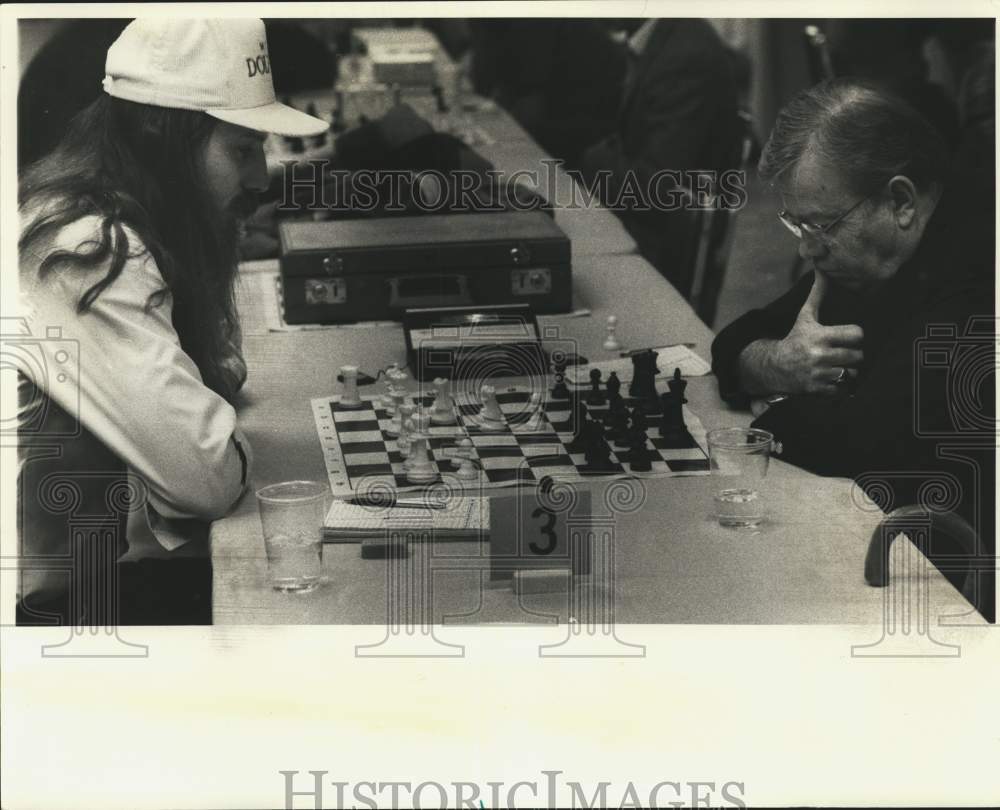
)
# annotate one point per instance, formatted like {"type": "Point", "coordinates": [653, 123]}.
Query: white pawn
{"type": "Point", "coordinates": [395, 426]}
{"type": "Point", "coordinates": [467, 471]}
{"type": "Point", "coordinates": [490, 412]}
{"type": "Point", "coordinates": [463, 452]}
{"type": "Point", "coordinates": [350, 398]}
{"type": "Point", "coordinates": [419, 467]}
{"type": "Point", "coordinates": [611, 343]}
{"type": "Point", "coordinates": [444, 405]}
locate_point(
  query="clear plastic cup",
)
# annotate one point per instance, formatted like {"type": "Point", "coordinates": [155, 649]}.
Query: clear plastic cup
{"type": "Point", "coordinates": [741, 457]}
{"type": "Point", "coordinates": [291, 516]}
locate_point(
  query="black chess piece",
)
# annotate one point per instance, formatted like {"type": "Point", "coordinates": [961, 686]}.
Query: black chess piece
{"type": "Point", "coordinates": [579, 422]}
{"type": "Point", "coordinates": [617, 425]}
{"type": "Point", "coordinates": [638, 456]}
{"type": "Point", "coordinates": [620, 429]}
{"type": "Point", "coordinates": [616, 404]}
{"type": "Point", "coordinates": [559, 390]}
{"type": "Point", "coordinates": [672, 427]}
{"type": "Point", "coordinates": [597, 454]}
{"type": "Point", "coordinates": [613, 386]}
{"type": "Point", "coordinates": [639, 422]}
{"type": "Point", "coordinates": [595, 397]}
{"type": "Point", "coordinates": [677, 384]}
{"type": "Point", "coordinates": [643, 385]}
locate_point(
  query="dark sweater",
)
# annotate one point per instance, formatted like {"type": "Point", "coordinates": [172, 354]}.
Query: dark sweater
{"type": "Point", "coordinates": [925, 386]}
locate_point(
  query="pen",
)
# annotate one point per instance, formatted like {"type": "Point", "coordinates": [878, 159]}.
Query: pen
{"type": "Point", "coordinates": [656, 348]}
{"type": "Point", "coordinates": [395, 502]}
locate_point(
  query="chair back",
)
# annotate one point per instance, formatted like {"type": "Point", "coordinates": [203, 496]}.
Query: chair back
{"type": "Point", "coordinates": [713, 229]}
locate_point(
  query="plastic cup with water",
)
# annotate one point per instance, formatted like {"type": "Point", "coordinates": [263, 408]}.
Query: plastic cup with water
{"type": "Point", "coordinates": [291, 515]}
{"type": "Point", "coordinates": [739, 459]}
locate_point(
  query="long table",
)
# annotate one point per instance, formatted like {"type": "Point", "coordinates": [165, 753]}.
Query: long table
{"type": "Point", "coordinates": [672, 562]}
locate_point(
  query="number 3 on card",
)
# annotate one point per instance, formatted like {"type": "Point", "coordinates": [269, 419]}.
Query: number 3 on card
{"type": "Point", "coordinates": [547, 530]}
{"type": "Point", "coordinates": [528, 532]}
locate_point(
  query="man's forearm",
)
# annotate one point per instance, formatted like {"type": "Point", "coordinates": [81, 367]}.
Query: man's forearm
{"type": "Point", "coordinates": [759, 375]}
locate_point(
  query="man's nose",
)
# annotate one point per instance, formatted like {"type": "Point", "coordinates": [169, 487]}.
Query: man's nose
{"type": "Point", "coordinates": [810, 247]}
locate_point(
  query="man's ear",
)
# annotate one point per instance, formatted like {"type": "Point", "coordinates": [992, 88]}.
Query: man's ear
{"type": "Point", "coordinates": [904, 200]}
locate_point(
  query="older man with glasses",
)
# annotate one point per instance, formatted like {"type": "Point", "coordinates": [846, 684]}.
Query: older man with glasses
{"type": "Point", "coordinates": [899, 253]}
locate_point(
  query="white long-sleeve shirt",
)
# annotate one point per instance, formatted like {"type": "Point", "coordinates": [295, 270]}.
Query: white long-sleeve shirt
{"type": "Point", "coordinates": [132, 385]}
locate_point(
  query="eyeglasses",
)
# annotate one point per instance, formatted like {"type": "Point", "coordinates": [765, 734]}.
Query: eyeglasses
{"type": "Point", "coordinates": [800, 226]}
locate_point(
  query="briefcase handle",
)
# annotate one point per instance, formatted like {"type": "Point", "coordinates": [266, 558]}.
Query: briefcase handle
{"type": "Point", "coordinates": [445, 290]}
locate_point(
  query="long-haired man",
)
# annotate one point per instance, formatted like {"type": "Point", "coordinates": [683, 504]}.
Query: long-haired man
{"type": "Point", "coordinates": [127, 267]}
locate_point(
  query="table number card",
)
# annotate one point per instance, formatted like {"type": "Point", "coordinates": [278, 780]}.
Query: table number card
{"type": "Point", "coordinates": [540, 528]}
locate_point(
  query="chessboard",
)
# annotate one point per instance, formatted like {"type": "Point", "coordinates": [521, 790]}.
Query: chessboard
{"type": "Point", "coordinates": [526, 446]}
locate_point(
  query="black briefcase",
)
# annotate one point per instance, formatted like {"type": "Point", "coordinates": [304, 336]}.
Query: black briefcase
{"type": "Point", "coordinates": [373, 269]}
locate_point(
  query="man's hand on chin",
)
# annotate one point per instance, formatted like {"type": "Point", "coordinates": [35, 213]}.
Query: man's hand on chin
{"type": "Point", "coordinates": [810, 359]}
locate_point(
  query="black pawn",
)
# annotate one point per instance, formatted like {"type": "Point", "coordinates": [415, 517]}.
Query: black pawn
{"type": "Point", "coordinates": [595, 397]}
{"type": "Point", "coordinates": [638, 457]}
{"type": "Point", "coordinates": [613, 386]}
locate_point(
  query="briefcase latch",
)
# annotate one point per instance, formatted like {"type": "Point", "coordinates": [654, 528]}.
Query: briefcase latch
{"type": "Point", "coordinates": [333, 264]}
{"type": "Point", "coordinates": [531, 281]}
{"type": "Point", "coordinates": [520, 254]}
{"type": "Point", "coordinates": [325, 291]}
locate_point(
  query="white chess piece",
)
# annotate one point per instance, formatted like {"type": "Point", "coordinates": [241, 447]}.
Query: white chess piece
{"type": "Point", "coordinates": [422, 420]}
{"type": "Point", "coordinates": [490, 412]}
{"type": "Point", "coordinates": [350, 398]}
{"type": "Point", "coordinates": [395, 380]}
{"type": "Point", "coordinates": [419, 467]}
{"type": "Point", "coordinates": [537, 419]}
{"type": "Point", "coordinates": [444, 405]}
{"type": "Point", "coordinates": [395, 426]}
{"type": "Point", "coordinates": [406, 428]}
{"type": "Point", "coordinates": [462, 452]}
{"type": "Point", "coordinates": [411, 436]}
{"type": "Point", "coordinates": [611, 343]}
{"type": "Point", "coordinates": [467, 470]}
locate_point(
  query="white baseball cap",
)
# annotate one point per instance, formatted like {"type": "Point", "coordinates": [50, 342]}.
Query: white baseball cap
{"type": "Point", "coordinates": [218, 66]}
